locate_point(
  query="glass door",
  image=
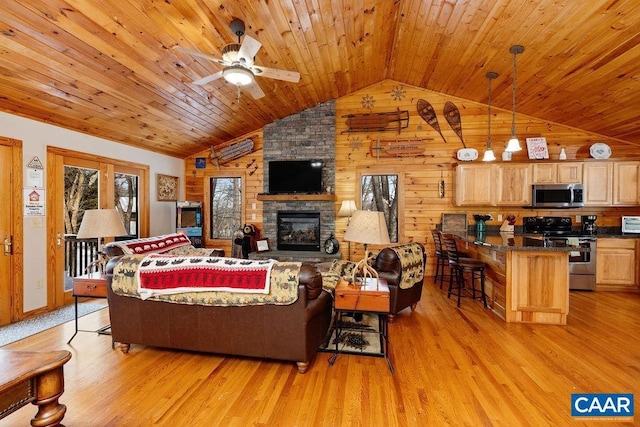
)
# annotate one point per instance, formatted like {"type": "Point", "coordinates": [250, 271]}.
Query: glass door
{"type": "Point", "coordinates": [77, 182]}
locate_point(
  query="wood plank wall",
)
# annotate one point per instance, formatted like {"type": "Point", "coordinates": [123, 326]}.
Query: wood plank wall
{"type": "Point", "coordinates": [421, 206]}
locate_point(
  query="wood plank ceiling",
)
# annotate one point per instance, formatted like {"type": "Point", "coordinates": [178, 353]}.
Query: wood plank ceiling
{"type": "Point", "coordinates": [107, 68]}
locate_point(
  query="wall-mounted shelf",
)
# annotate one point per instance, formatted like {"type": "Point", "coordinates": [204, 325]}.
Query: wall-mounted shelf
{"type": "Point", "coordinates": [294, 197]}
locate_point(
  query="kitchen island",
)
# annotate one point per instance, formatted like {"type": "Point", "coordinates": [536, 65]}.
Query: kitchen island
{"type": "Point", "coordinates": [524, 281]}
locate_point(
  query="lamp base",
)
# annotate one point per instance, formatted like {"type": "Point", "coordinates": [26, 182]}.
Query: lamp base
{"type": "Point", "coordinates": [368, 272]}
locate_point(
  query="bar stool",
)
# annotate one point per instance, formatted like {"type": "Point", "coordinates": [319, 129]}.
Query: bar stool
{"type": "Point", "coordinates": [459, 266]}
{"type": "Point", "coordinates": [441, 257]}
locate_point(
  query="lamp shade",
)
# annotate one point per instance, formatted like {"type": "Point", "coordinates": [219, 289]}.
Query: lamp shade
{"type": "Point", "coordinates": [367, 227]}
{"type": "Point", "coordinates": [347, 208]}
{"type": "Point", "coordinates": [101, 223]}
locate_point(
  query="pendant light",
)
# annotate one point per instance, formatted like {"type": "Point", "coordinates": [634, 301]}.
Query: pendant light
{"type": "Point", "coordinates": [514, 144]}
{"type": "Point", "coordinates": [488, 154]}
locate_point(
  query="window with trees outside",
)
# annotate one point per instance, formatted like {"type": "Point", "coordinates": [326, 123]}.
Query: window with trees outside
{"type": "Point", "coordinates": [380, 193]}
{"type": "Point", "coordinates": [226, 207]}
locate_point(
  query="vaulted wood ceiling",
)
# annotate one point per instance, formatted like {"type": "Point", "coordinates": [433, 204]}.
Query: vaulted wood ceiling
{"type": "Point", "coordinates": [107, 68]}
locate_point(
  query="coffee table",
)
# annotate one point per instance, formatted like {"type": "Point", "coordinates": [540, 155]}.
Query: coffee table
{"type": "Point", "coordinates": [363, 297]}
{"type": "Point", "coordinates": [37, 377]}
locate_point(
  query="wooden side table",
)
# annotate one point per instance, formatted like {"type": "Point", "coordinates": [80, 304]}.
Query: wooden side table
{"type": "Point", "coordinates": [37, 377]}
{"type": "Point", "coordinates": [92, 285]}
{"type": "Point", "coordinates": [365, 298]}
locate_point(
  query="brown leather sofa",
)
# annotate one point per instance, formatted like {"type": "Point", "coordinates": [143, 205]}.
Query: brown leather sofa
{"type": "Point", "coordinates": [389, 267]}
{"type": "Point", "coordinates": [284, 332]}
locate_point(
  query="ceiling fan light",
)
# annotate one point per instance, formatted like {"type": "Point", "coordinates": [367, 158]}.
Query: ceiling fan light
{"type": "Point", "coordinates": [237, 75]}
{"type": "Point", "coordinates": [513, 145]}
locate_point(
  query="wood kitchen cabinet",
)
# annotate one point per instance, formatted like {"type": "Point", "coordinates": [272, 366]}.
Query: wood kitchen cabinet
{"type": "Point", "coordinates": [617, 264]}
{"type": "Point", "coordinates": [512, 184]}
{"type": "Point", "coordinates": [626, 183]}
{"type": "Point", "coordinates": [493, 185]}
{"type": "Point", "coordinates": [557, 173]}
{"type": "Point", "coordinates": [473, 185]}
{"type": "Point", "coordinates": [598, 179]}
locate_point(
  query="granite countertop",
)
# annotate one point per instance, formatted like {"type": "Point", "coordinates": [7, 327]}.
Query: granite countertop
{"type": "Point", "coordinates": [513, 242]}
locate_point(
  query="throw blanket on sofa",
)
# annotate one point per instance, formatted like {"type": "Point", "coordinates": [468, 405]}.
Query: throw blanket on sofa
{"type": "Point", "coordinates": [161, 274]}
{"type": "Point", "coordinates": [155, 244]}
{"type": "Point", "coordinates": [283, 287]}
{"type": "Point", "coordinates": [410, 256]}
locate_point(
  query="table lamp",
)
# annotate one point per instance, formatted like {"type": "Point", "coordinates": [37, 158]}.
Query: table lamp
{"type": "Point", "coordinates": [100, 223]}
{"type": "Point", "coordinates": [367, 227]}
{"type": "Point", "coordinates": [347, 209]}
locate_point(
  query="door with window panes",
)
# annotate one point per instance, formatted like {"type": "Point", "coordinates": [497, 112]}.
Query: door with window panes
{"type": "Point", "coordinates": [81, 182]}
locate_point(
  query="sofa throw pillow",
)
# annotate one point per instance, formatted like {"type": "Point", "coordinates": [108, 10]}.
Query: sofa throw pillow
{"type": "Point", "coordinates": [156, 244]}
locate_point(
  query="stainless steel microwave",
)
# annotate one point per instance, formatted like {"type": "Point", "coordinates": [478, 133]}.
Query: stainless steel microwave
{"type": "Point", "coordinates": [557, 195]}
{"type": "Point", "coordinates": [631, 224]}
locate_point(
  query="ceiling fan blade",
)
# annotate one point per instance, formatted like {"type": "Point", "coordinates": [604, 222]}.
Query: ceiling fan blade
{"type": "Point", "coordinates": [199, 54]}
{"type": "Point", "coordinates": [254, 90]}
{"type": "Point", "coordinates": [273, 73]}
{"type": "Point", "coordinates": [208, 79]}
{"type": "Point", "coordinates": [248, 49]}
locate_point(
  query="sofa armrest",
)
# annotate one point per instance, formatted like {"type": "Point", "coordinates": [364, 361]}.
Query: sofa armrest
{"type": "Point", "coordinates": [311, 278]}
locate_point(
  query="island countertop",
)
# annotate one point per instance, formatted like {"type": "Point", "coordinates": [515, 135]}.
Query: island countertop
{"type": "Point", "coordinates": [514, 242]}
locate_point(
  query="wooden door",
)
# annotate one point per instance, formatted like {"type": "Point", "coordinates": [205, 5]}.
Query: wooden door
{"type": "Point", "coordinates": [11, 292]}
{"type": "Point", "coordinates": [61, 234]}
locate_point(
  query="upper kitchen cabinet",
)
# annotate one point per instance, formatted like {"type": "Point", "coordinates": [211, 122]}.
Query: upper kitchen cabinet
{"type": "Point", "coordinates": [512, 184]}
{"type": "Point", "coordinates": [556, 173]}
{"type": "Point", "coordinates": [473, 185]}
{"type": "Point", "coordinates": [597, 178]}
{"type": "Point", "coordinates": [493, 185]}
{"type": "Point", "coordinates": [626, 183]}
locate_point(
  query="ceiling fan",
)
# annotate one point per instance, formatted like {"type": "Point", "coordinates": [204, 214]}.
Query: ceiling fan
{"type": "Point", "coordinates": [239, 68]}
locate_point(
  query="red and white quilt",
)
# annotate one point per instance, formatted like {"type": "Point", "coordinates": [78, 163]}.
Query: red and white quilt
{"type": "Point", "coordinates": [161, 274]}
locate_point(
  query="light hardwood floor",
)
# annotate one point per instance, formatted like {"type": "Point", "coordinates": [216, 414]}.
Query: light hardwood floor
{"type": "Point", "coordinates": [453, 366]}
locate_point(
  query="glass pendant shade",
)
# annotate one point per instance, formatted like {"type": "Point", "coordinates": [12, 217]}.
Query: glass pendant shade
{"type": "Point", "coordinates": [488, 154]}
{"type": "Point", "coordinates": [237, 75]}
{"type": "Point", "coordinates": [514, 144]}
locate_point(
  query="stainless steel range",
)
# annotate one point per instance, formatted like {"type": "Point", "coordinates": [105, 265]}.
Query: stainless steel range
{"type": "Point", "coordinates": [557, 231]}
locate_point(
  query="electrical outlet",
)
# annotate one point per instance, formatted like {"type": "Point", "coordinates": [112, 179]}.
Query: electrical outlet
{"type": "Point", "coordinates": [253, 217]}
{"type": "Point", "coordinates": [253, 206]}
{"type": "Point", "coordinates": [39, 284]}
{"type": "Point", "coordinates": [499, 217]}
{"type": "Point", "coordinates": [577, 218]}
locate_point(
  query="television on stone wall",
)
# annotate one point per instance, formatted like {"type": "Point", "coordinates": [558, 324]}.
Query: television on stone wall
{"type": "Point", "coordinates": [295, 176]}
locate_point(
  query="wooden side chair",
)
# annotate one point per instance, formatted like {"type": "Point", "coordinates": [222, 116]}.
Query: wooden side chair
{"type": "Point", "coordinates": [460, 269]}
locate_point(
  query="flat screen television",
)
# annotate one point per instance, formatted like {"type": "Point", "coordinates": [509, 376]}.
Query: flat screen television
{"type": "Point", "coordinates": [295, 176]}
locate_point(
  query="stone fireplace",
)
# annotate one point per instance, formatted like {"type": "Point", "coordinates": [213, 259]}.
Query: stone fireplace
{"type": "Point", "coordinates": [298, 230]}
{"type": "Point", "coordinates": [309, 134]}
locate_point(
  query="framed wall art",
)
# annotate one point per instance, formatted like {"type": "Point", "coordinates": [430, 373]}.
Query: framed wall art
{"type": "Point", "coordinates": [167, 188]}
{"type": "Point", "coordinates": [262, 245]}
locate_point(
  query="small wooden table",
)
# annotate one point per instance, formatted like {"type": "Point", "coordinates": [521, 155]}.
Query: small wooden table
{"type": "Point", "coordinates": [92, 285]}
{"type": "Point", "coordinates": [364, 298]}
{"type": "Point", "coordinates": [37, 377]}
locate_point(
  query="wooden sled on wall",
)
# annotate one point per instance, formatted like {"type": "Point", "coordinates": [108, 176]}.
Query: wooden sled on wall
{"type": "Point", "coordinates": [377, 122]}
{"type": "Point", "coordinates": [227, 152]}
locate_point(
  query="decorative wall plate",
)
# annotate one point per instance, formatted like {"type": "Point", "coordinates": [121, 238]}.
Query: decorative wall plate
{"type": "Point", "coordinates": [467, 154]}
{"type": "Point", "coordinates": [600, 150]}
